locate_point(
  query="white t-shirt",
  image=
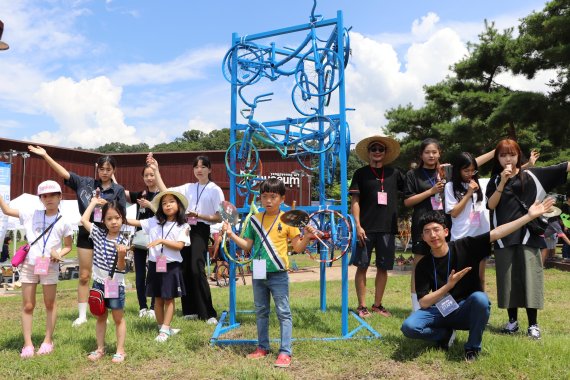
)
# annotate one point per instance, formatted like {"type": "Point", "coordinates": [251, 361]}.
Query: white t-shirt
{"type": "Point", "coordinates": [169, 231]}
{"type": "Point", "coordinates": [35, 222]}
{"type": "Point", "coordinates": [461, 225]}
{"type": "Point", "coordinates": [205, 199]}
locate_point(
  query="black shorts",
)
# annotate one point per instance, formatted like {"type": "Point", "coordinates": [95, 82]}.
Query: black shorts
{"type": "Point", "coordinates": [385, 246]}
{"type": "Point", "coordinates": [83, 239]}
{"type": "Point", "coordinates": [165, 285]}
{"type": "Point", "coordinates": [420, 248]}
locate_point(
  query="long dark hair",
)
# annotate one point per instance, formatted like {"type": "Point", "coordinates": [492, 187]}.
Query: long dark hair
{"type": "Point", "coordinates": [180, 215]}
{"type": "Point", "coordinates": [463, 161]}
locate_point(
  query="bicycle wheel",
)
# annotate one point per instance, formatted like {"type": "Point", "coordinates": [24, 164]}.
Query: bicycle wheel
{"type": "Point", "coordinates": [305, 103]}
{"type": "Point", "coordinates": [318, 134]}
{"type": "Point", "coordinates": [314, 70]}
{"type": "Point", "coordinates": [335, 238]}
{"type": "Point", "coordinates": [248, 66]}
{"type": "Point", "coordinates": [306, 159]}
{"type": "Point", "coordinates": [246, 159]}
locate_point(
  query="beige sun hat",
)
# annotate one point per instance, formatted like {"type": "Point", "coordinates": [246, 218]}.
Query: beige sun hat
{"type": "Point", "coordinates": [554, 211]}
{"type": "Point", "coordinates": [3, 45]}
{"type": "Point", "coordinates": [157, 199]}
{"type": "Point", "coordinates": [392, 148]}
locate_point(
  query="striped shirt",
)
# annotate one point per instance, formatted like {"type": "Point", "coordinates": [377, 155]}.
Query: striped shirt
{"type": "Point", "coordinates": [104, 253]}
{"type": "Point", "coordinates": [270, 242]}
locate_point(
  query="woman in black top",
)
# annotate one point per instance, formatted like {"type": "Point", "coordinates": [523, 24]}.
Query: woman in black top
{"type": "Point", "coordinates": [520, 277]}
{"type": "Point", "coordinates": [424, 192]}
{"type": "Point", "coordinates": [143, 201]}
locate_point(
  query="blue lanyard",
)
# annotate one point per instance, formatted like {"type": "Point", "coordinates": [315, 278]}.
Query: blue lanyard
{"type": "Point", "coordinates": [431, 180]}
{"type": "Point", "coordinates": [264, 236]}
{"type": "Point", "coordinates": [448, 268]}
{"type": "Point", "coordinates": [198, 196]}
{"type": "Point", "coordinates": [162, 234]}
{"type": "Point", "coordinates": [46, 238]}
{"type": "Point", "coordinates": [114, 248]}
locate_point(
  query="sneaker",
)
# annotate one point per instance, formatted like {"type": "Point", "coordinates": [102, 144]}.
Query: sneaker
{"type": "Point", "coordinates": [447, 341]}
{"type": "Point", "coordinates": [142, 313]}
{"type": "Point", "coordinates": [533, 332]}
{"type": "Point", "coordinates": [511, 327]}
{"type": "Point", "coordinates": [212, 321]}
{"type": "Point", "coordinates": [258, 353]}
{"type": "Point", "coordinates": [163, 336]}
{"type": "Point", "coordinates": [471, 355]}
{"type": "Point", "coordinates": [363, 312]}
{"type": "Point", "coordinates": [79, 322]}
{"type": "Point", "coordinates": [191, 317]}
{"type": "Point", "coordinates": [283, 361]}
{"type": "Point", "coordinates": [150, 314]}
{"type": "Point", "coordinates": [381, 310]}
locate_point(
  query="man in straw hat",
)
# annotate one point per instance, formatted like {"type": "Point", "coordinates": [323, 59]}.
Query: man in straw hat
{"type": "Point", "coordinates": [374, 206]}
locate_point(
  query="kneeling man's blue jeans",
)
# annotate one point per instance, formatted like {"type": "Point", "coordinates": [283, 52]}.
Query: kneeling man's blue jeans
{"type": "Point", "coordinates": [472, 315]}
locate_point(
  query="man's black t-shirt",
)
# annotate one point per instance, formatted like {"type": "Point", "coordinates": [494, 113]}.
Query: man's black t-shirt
{"type": "Point", "coordinates": [142, 213]}
{"type": "Point", "coordinates": [463, 253]}
{"type": "Point", "coordinates": [366, 183]}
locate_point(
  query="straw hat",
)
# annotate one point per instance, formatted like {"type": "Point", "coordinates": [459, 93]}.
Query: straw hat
{"type": "Point", "coordinates": [156, 201]}
{"type": "Point", "coordinates": [3, 45]}
{"type": "Point", "coordinates": [392, 148]}
{"type": "Point", "coordinates": [554, 211]}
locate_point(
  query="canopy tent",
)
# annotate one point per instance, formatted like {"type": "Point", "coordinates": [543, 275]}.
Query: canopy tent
{"type": "Point", "coordinates": [69, 208]}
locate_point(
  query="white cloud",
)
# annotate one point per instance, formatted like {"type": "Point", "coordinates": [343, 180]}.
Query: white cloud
{"type": "Point", "coordinates": [425, 26]}
{"type": "Point", "coordinates": [88, 113]}
{"type": "Point", "coordinates": [185, 67]}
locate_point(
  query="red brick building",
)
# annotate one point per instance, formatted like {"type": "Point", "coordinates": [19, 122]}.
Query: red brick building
{"type": "Point", "coordinates": [175, 168]}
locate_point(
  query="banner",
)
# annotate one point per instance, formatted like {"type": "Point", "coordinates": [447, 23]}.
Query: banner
{"type": "Point", "coordinates": [5, 169]}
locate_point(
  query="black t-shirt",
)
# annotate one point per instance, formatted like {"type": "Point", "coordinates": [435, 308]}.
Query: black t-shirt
{"type": "Point", "coordinates": [528, 190]}
{"type": "Point", "coordinates": [84, 187]}
{"type": "Point", "coordinates": [366, 183]}
{"type": "Point", "coordinates": [417, 181]}
{"type": "Point", "coordinates": [142, 212]}
{"type": "Point", "coordinates": [463, 253]}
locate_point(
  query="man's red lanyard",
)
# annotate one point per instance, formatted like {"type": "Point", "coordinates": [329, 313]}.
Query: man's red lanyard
{"type": "Point", "coordinates": [381, 179]}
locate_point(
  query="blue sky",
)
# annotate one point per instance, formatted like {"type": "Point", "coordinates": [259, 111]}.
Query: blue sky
{"type": "Point", "coordinates": [85, 73]}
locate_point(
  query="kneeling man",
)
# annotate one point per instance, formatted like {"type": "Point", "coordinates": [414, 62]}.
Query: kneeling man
{"type": "Point", "coordinates": [449, 291]}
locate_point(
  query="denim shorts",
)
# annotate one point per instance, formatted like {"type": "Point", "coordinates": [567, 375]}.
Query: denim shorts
{"type": "Point", "coordinates": [112, 303]}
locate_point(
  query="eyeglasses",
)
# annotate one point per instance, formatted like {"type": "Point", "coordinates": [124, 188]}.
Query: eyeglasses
{"type": "Point", "coordinates": [472, 172]}
{"type": "Point", "coordinates": [379, 149]}
{"type": "Point", "coordinates": [435, 230]}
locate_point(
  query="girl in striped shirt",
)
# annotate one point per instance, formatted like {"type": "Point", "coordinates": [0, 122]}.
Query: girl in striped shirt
{"type": "Point", "coordinates": [108, 273]}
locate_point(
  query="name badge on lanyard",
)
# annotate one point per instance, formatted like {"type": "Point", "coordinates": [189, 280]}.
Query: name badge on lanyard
{"type": "Point", "coordinates": [259, 269]}
{"type": "Point", "coordinates": [446, 305]}
{"type": "Point", "coordinates": [475, 218]}
{"type": "Point", "coordinates": [111, 288]}
{"type": "Point", "coordinates": [436, 202]}
{"type": "Point", "coordinates": [161, 264]}
{"type": "Point", "coordinates": [42, 266]}
{"type": "Point", "coordinates": [382, 198]}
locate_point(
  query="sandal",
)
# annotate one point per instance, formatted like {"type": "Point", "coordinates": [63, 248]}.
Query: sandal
{"type": "Point", "coordinates": [118, 358]}
{"type": "Point", "coordinates": [45, 349]}
{"type": "Point", "coordinates": [163, 335]}
{"type": "Point", "coordinates": [363, 312]}
{"type": "Point", "coordinates": [96, 355]}
{"type": "Point", "coordinates": [27, 352]}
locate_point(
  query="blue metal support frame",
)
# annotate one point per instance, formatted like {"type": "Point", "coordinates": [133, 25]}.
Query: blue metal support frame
{"type": "Point", "coordinates": [228, 320]}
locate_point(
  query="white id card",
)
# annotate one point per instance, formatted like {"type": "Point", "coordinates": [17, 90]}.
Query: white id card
{"type": "Point", "coordinates": [259, 270]}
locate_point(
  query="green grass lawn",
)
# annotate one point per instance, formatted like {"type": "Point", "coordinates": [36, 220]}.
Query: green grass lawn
{"type": "Point", "coordinates": [189, 354]}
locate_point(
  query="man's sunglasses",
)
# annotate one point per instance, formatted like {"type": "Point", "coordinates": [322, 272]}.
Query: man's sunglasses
{"type": "Point", "coordinates": [379, 149]}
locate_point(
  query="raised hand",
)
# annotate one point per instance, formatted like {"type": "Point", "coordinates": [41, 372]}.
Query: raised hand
{"type": "Point", "coordinates": [539, 208]}
{"type": "Point", "coordinates": [534, 155]}
{"type": "Point", "coordinates": [455, 277]}
{"type": "Point", "coordinates": [473, 186]}
{"type": "Point", "coordinates": [37, 150]}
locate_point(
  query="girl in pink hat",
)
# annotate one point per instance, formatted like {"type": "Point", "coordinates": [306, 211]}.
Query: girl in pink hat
{"type": "Point", "coordinates": [47, 230]}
